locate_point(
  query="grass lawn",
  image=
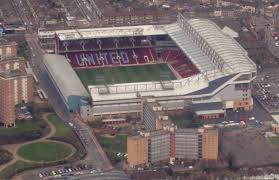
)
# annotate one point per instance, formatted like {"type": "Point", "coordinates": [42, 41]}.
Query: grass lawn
{"type": "Point", "coordinates": [23, 126]}
{"type": "Point", "coordinates": [114, 144]}
{"type": "Point", "coordinates": [44, 151]}
{"type": "Point", "coordinates": [15, 168]}
{"type": "Point", "coordinates": [114, 75]}
{"type": "Point", "coordinates": [274, 140]}
{"type": "Point", "coordinates": [61, 129]}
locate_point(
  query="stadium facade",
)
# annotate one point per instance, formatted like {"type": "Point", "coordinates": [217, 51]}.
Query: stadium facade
{"type": "Point", "coordinates": [214, 73]}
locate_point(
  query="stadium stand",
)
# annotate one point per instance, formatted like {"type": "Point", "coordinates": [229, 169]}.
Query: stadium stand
{"type": "Point", "coordinates": [105, 44]}
{"type": "Point", "coordinates": [179, 62]}
{"type": "Point", "coordinates": [112, 57]}
{"type": "Point", "coordinates": [98, 57]}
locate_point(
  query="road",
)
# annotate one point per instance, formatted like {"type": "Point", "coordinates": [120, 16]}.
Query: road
{"type": "Point", "coordinates": [271, 43]}
{"type": "Point", "coordinates": [95, 155]}
{"type": "Point", "coordinates": [24, 13]}
{"type": "Point", "coordinates": [86, 10]}
{"type": "Point", "coordinates": [99, 176]}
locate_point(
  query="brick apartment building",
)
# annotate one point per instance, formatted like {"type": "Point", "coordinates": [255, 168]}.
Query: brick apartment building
{"type": "Point", "coordinates": [16, 86]}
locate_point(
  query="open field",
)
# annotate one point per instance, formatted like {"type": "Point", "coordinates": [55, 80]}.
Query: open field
{"type": "Point", "coordinates": [44, 151]}
{"type": "Point", "coordinates": [114, 75]}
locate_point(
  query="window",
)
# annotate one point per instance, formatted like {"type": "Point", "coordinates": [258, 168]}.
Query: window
{"type": "Point", "coordinates": [8, 51]}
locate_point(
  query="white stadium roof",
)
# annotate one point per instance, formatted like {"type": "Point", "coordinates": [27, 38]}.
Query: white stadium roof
{"type": "Point", "coordinates": [234, 56]}
{"type": "Point", "coordinates": [212, 51]}
{"type": "Point", "coordinates": [201, 61]}
{"type": "Point", "coordinates": [127, 31]}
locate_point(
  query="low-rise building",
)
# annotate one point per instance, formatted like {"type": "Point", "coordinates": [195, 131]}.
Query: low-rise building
{"type": "Point", "coordinates": [209, 109]}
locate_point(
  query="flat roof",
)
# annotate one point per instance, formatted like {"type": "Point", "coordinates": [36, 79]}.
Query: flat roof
{"type": "Point", "coordinates": [125, 31]}
{"type": "Point", "coordinates": [158, 133]}
{"type": "Point", "coordinates": [187, 131]}
{"type": "Point", "coordinates": [12, 74]}
{"type": "Point", "coordinates": [65, 77]}
{"type": "Point", "coordinates": [220, 111]}
{"type": "Point", "coordinates": [136, 137]}
{"type": "Point", "coordinates": [207, 106]}
{"type": "Point", "coordinates": [9, 59]}
{"type": "Point", "coordinates": [7, 43]}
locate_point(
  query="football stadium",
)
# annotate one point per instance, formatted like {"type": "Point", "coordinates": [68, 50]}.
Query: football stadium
{"type": "Point", "coordinates": [189, 64]}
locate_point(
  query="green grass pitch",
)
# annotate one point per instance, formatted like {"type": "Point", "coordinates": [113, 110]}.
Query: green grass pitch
{"type": "Point", "coordinates": [124, 74]}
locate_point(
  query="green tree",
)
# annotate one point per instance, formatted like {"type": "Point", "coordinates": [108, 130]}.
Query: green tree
{"type": "Point", "coordinates": [24, 50]}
